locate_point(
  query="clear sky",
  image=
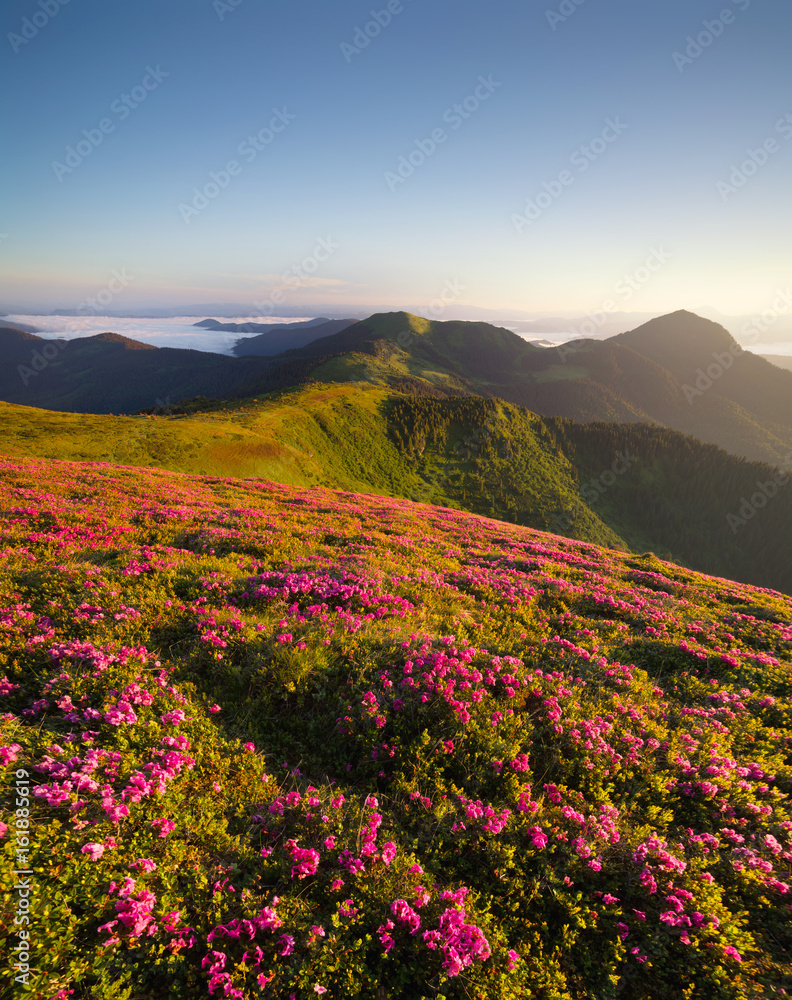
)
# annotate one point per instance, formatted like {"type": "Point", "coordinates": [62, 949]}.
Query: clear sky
{"type": "Point", "coordinates": [588, 91]}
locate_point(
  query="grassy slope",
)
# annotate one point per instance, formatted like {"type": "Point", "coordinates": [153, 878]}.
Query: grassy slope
{"type": "Point", "coordinates": [638, 376]}
{"type": "Point", "coordinates": [329, 435]}
{"type": "Point", "coordinates": [294, 437]}
{"type": "Point", "coordinates": [481, 455]}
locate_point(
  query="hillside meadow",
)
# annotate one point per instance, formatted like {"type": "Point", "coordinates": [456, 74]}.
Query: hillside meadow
{"type": "Point", "coordinates": [277, 741]}
{"type": "Point", "coordinates": [631, 486]}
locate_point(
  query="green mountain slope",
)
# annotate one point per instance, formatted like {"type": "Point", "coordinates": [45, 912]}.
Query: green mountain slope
{"type": "Point", "coordinates": [343, 436]}
{"type": "Point", "coordinates": [651, 374]}
{"type": "Point", "coordinates": [622, 485]}
{"type": "Point", "coordinates": [678, 371]}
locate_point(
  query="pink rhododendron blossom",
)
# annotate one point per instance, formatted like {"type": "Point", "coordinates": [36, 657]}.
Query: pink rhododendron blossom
{"type": "Point", "coordinates": [9, 754]}
{"type": "Point", "coordinates": [539, 839]}
{"type": "Point", "coordinates": [164, 826]}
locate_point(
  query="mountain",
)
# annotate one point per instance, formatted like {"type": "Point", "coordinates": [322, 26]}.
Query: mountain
{"type": "Point", "coordinates": [657, 373]}
{"type": "Point", "coordinates": [26, 327]}
{"type": "Point", "coordinates": [640, 487]}
{"type": "Point", "coordinates": [108, 373]}
{"type": "Point", "coordinates": [273, 340]}
{"type": "Point", "coordinates": [252, 327]}
{"type": "Point", "coordinates": [679, 371]}
{"type": "Point", "coordinates": [265, 741]}
{"type": "Point", "coordinates": [607, 326]}
{"type": "Point", "coordinates": [779, 360]}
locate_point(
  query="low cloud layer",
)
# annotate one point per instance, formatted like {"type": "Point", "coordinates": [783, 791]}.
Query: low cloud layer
{"type": "Point", "coordinates": [177, 332]}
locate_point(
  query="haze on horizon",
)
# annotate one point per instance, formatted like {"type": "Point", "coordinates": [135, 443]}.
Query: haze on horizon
{"type": "Point", "coordinates": [534, 158]}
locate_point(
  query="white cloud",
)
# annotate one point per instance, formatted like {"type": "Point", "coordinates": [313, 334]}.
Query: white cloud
{"type": "Point", "coordinates": [176, 332]}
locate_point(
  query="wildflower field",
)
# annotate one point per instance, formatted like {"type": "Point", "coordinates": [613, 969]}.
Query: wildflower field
{"type": "Point", "coordinates": [259, 740]}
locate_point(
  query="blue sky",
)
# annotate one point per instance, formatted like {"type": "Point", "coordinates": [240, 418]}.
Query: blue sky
{"type": "Point", "coordinates": [213, 74]}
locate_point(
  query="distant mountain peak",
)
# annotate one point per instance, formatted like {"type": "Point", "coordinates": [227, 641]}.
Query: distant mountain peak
{"type": "Point", "coordinates": [680, 332]}
{"type": "Point", "coordinates": [117, 338]}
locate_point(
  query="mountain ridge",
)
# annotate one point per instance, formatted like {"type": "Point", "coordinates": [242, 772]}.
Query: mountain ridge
{"type": "Point", "coordinates": [680, 371]}
{"type": "Point", "coordinates": [637, 486]}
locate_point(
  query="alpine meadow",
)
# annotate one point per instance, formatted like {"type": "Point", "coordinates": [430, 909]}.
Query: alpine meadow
{"type": "Point", "coordinates": [395, 501]}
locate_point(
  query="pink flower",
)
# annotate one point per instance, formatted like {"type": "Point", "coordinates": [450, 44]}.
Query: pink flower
{"type": "Point", "coordinates": [513, 958]}
{"type": "Point", "coordinates": [8, 755]}
{"type": "Point", "coordinates": [319, 989]}
{"type": "Point", "coordinates": [135, 912]}
{"type": "Point", "coordinates": [165, 826]}
{"type": "Point", "coordinates": [3, 830]}
{"type": "Point", "coordinates": [405, 914]}
{"type": "Point", "coordinates": [94, 850]}
{"type": "Point", "coordinates": [538, 837]}
{"type": "Point", "coordinates": [307, 858]}
{"type": "Point", "coordinates": [250, 747]}
{"type": "Point", "coordinates": [730, 952]}
{"type": "Point", "coordinates": [143, 865]}
{"type": "Point", "coordinates": [214, 709]}
{"type": "Point", "coordinates": [170, 920]}
{"type": "Point", "coordinates": [174, 718]}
